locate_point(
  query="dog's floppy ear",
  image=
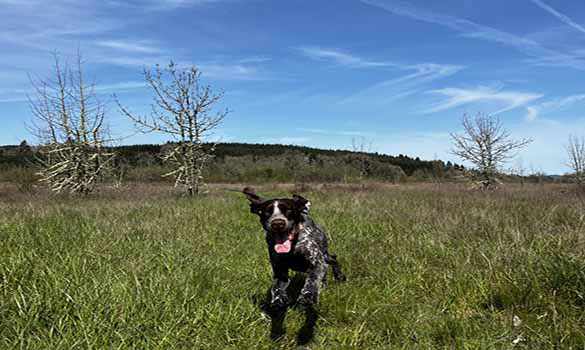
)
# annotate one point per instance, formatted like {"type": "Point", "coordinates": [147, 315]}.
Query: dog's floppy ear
{"type": "Point", "coordinates": [251, 194]}
{"type": "Point", "coordinates": [301, 203]}
{"type": "Point", "coordinates": [255, 201]}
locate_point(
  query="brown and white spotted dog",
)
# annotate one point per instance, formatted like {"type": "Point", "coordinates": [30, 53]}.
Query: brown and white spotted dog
{"type": "Point", "coordinates": [294, 242]}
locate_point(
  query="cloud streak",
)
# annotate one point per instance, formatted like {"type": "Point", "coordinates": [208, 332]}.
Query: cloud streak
{"type": "Point", "coordinates": [130, 46]}
{"type": "Point", "coordinates": [540, 56]}
{"type": "Point", "coordinates": [389, 89]}
{"type": "Point", "coordinates": [216, 70]}
{"type": "Point", "coordinates": [564, 18]}
{"type": "Point", "coordinates": [63, 29]}
{"type": "Point", "coordinates": [558, 104]}
{"type": "Point", "coordinates": [183, 3]}
{"type": "Point", "coordinates": [458, 97]}
{"type": "Point", "coordinates": [21, 95]}
{"type": "Point", "coordinates": [119, 87]}
{"type": "Point", "coordinates": [342, 58]}
{"type": "Point", "coordinates": [403, 86]}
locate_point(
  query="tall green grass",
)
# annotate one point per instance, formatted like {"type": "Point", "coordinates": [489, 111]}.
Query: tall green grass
{"type": "Point", "coordinates": [427, 268]}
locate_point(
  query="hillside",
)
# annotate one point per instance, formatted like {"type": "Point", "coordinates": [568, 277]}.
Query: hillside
{"type": "Point", "coordinates": [258, 162]}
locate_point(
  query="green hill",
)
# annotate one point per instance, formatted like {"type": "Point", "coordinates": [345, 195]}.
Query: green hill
{"type": "Point", "coordinates": [242, 162]}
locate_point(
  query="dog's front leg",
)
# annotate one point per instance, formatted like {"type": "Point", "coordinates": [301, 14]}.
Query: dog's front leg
{"type": "Point", "coordinates": [280, 281]}
{"type": "Point", "coordinates": [315, 275]}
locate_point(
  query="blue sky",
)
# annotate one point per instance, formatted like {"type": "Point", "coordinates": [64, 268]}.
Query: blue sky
{"type": "Point", "coordinates": [400, 74]}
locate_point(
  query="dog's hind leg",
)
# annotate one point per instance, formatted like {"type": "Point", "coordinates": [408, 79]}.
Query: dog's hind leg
{"type": "Point", "coordinates": [337, 274]}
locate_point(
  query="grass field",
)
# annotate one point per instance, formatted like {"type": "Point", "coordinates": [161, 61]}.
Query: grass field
{"type": "Point", "coordinates": [427, 267]}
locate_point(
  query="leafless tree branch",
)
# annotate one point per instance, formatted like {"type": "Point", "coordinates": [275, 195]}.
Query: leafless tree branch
{"type": "Point", "coordinates": [486, 144]}
{"type": "Point", "coordinates": [360, 159]}
{"type": "Point", "coordinates": [69, 124]}
{"type": "Point", "coordinates": [184, 109]}
{"type": "Point", "coordinates": [576, 162]}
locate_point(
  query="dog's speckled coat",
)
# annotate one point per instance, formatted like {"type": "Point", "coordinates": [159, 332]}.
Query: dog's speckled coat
{"type": "Point", "coordinates": [309, 253]}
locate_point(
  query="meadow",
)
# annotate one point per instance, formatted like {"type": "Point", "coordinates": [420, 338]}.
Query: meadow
{"type": "Point", "coordinates": [429, 267]}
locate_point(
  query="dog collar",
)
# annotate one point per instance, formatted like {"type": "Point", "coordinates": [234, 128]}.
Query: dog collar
{"type": "Point", "coordinates": [296, 230]}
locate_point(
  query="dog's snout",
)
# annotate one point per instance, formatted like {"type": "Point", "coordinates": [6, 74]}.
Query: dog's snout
{"type": "Point", "coordinates": [278, 224]}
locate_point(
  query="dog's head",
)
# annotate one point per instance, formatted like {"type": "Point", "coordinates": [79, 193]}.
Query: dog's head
{"type": "Point", "coordinates": [280, 217]}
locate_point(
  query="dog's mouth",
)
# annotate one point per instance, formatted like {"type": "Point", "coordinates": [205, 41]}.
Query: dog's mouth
{"type": "Point", "coordinates": [283, 242]}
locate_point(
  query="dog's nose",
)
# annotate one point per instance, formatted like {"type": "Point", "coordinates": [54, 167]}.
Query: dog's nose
{"type": "Point", "coordinates": [278, 224]}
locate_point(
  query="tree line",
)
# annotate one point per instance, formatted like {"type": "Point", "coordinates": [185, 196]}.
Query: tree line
{"type": "Point", "coordinates": [242, 161]}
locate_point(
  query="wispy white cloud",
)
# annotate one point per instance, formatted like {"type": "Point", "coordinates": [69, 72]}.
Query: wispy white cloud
{"type": "Point", "coordinates": [564, 18]}
{"type": "Point", "coordinates": [131, 46]}
{"type": "Point", "coordinates": [119, 87]}
{"type": "Point", "coordinates": [342, 58]}
{"type": "Point", "coordinates": [403, 86]}
{"type": "Point", "coordinates": [129, 60]}
{"type": "Point", "coordinates": [13, 95]}
{"type": "Point", "coordinates": [540, 55]}
{"type": "Point", "coordinates": [562, 102]}
{"type": "Point", "coordinates": [253, 59]}
{"type": "Point", "coordinates": [15, 2]}
{"type": "Point", "coordinates": [156, 5]}
{"type": "Point", "coordinates": [63, 27]}
{"type": "Point", "coordinates": [100, 30]}
{"type": "Point", "coordinates": [458, 97]}
{"type": "Point", "coordinates": [21, 95]}
{"type": "Point", "coordinates": [9, 91]}
{"type": "Point", "coordinates": [13, 99]}
{"type": "Point", "coordinates": [551, 106]}
{"type": "Point", "coordinates": [232, 71]}
{"type": "Point", "coordinates": [174, 4]}
{"type": "Point", "coordinates": [216, 70]}
{"type": "Point", "coordinates": [424, 72]}
{"type": "Point", "coordinates": [407, 10]}
{"type": "Point", "coordinates": [189, 2]}
{"type": "Point", "coordinates": [389, 89]}
{"type": "Point", "coordinates": [314, 130]}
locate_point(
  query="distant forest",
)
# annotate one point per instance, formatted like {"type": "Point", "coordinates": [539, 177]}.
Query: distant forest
{"type": "Point", "coordinates": [253, 163]}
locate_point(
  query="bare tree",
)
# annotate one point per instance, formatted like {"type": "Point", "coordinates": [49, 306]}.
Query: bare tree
{"type": "Point", "coordinates": [69, 124]}
{"type": "Point", "coordinates": [360, 159]}
{"type": "Point", "coordinates": [519, 170]}
{"type": "Point", "coordinates": [437, 170]}
{"type": "Point", "coordinates": [183, 109]}
{"type": "Point", "coordinates": [576, 152]}
{"type": "Point", "coordinates": [486, 144]}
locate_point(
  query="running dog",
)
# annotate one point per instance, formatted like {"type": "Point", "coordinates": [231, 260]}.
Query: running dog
{"type": "Point", "coordinates": [294, 242]}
